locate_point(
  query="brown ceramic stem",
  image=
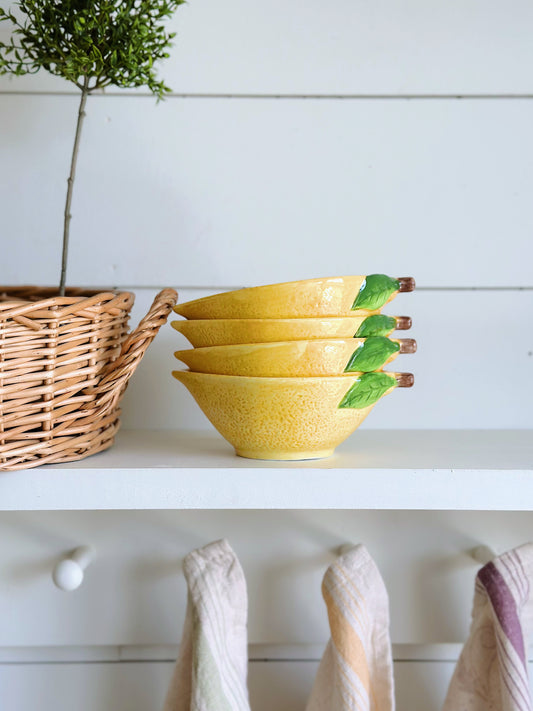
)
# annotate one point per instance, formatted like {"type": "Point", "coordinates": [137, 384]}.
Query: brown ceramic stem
{"type": "Point", "coordinates": [403, 323]}
{"type": "Point", "coordinates": [405, 380]}
{"type": "Point", "coordinates": [406, 284]}
{"type": "Point", "coordinates": [407, 345]}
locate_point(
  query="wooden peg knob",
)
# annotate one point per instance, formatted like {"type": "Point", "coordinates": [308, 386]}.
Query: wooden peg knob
{"type": "Point", "coordinates": [345, 548]}
{"type": "Point", "coordinates": [69, 572]}
{"type": "Point", "coordinates": [483, 554]}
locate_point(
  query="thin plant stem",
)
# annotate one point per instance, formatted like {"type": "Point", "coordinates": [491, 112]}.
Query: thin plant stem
{"type": "Point", "coordinates": [70, 183]}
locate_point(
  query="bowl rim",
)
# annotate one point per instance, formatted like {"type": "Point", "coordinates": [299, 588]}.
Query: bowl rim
{"type": "Point", "coordinates": [266, 345]}
{"type": "Point", "coordinates": [281, 321]}
{"type": "Point", "coordinates": [301, 378]}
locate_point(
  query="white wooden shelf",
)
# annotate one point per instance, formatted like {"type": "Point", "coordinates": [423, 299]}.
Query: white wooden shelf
{"type": "Point", "coordinates": [374, 469]}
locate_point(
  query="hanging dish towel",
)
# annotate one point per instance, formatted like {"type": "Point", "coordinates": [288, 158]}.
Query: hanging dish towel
{"type": "Point", "coordinates": [491, 674]}
{"type": "Point", "coordinates": [355, 673]}
{"type": "Point", "coordinates": [210, 673]}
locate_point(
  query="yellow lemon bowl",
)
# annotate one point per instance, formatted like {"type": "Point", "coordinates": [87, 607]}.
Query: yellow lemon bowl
{"type": "Point", "coordinates": [311, 358]}
{"type": "Point", "coordinates": [328, 296]}
{"type": "Point", "coordinates": [288, 418]}
{"type": "Point", "coordinates": [219, 332]}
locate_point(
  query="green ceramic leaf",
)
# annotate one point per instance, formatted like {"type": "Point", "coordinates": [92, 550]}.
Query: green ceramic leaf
{"type": "Point", "coordinates": [367, 390]}
{"type": "Point", "coordinates": [376, 325]}
{"type": "Point", "coordinates": [375, 291]}
{"type": "Point", "coordinates": [372, 354]}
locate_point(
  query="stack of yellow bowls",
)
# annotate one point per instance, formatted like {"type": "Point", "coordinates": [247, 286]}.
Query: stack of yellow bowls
{"type": "Point", "coordinates": [288, 371]}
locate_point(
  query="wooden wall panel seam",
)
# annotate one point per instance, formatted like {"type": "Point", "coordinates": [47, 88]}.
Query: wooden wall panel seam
{"type": "Point", "coordinates": [292, 96]}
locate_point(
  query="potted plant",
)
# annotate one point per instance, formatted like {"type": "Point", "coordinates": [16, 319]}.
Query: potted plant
{"type": "Point", "coordinates": [65, 355]}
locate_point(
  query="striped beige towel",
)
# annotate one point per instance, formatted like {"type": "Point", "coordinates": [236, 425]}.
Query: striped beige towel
{"type": "Point", "coordinates": [210, 674]}
{"type": "Point", "coordinates": [492, 674]}
{"type": "Point", "coordinates": [355, 673]}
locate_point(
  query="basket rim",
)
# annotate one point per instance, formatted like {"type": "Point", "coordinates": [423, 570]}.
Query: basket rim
{"type": "Point", "coordinates": [73, 294]}
{"type": "Point", "coordinates": [23, 301]}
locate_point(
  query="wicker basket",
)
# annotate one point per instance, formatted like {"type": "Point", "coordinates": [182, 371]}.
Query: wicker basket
{"type": "Point", "coordinates": [64, 365]}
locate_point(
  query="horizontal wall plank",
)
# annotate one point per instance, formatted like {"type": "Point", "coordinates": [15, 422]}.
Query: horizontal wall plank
{"type": "Point", "coordinates": [169, 653]}
{"type": "Point", "coordinates": [345, 47]}
{"type": "Point", "coordinates": [142, 687]}
{"type": "Point", "coordinates": [215, 192]}
{"type": "Point", "coordinates": [134, 592]}
{"type": "Point", "coordinates": [473, 368]}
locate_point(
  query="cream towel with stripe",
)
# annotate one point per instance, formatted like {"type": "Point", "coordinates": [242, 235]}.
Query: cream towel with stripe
{"type": "Point", "coordinates": [210, 674]}
{"type": "Point", "coordinates": [492, 674]}
{"type": "Point", "coordinates": [355, 673]}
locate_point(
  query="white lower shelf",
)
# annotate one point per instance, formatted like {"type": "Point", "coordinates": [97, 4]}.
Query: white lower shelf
{"type": "Point", "coordinates": [374, 469]}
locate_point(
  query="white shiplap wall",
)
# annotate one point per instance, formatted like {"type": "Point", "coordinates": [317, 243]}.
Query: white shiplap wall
{"type": "Point", "coordinates": [302, 139]}
{"type": "Point", "coordinates": [229, 192]}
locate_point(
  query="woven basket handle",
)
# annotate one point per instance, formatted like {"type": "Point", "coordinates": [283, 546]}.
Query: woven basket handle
{"type": "Point", "coordinates": [116, 376]}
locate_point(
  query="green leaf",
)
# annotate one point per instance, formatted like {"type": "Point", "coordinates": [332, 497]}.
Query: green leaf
{"type": "Point", "coordinates": [375, 291]}
{"type": "Point", "coordinates": [376, 325]}
{"type": "Point", "coordinates": [367, 390]}
{"type": "Point", "coordinates": [372, 354]}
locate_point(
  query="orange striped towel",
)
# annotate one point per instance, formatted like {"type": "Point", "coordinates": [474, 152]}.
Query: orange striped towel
{"type": "Point", "coordinates": [355, 673]}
